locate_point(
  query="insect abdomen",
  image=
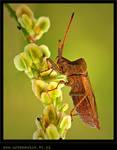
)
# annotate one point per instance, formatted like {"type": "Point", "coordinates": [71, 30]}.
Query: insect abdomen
{"type": "Point", "coordinates": [87, 109]}
{"type": "Point", "coordinates": [85, 112]}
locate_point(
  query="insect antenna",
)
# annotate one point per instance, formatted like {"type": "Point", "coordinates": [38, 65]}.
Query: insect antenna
{"type": "Point", "coordinates": [62, 45]}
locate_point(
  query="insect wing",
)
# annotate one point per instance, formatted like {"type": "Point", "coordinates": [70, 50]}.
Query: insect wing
{"type": "Point", "coordinates": [87, 109]}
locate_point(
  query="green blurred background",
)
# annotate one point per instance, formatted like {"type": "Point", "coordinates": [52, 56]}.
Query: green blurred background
{"type": "Point", "coordinates": [90, 37]}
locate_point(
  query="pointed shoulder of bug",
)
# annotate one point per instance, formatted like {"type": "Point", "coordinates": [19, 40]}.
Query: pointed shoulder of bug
{"type": "Point", "coordinates": [79, 61]}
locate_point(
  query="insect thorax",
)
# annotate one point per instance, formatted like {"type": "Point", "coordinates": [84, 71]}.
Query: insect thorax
{"type": "Point", "coordinates": [72, 67]}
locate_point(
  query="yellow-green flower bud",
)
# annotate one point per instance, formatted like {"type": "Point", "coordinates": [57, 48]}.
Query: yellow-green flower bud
{"type": "Point", "coordinates": [43, 24]}
{"type": "Point", "coordinates": [52, 85]}
{"type": "Point", "coordinates": [45, 50]}
{"type": "Point", "coordinates": [66, 122]}
{"type": "Point", "coordinates": [24, 9]}
{"type": "Point", "coordinates": [22, 62]}
{"type": "Point", "coordinates": [29, 73]}
{"type": "Point", "coordinates": [36, 34]}
{"type": "Point", "coordinates": [45, 98]}
{"type": "Point", "coordinates": [39, 134]}
{"type": "Point", "coordinates": [19, 63]}
{"type": "Point", "coordinates": [52, 113]}
{"type": "Point", "coordinates": [34, 52]}
{"type": "Point", "coordinates": [45, 121]}
{"type": "Point", "coordinates": [58, 102]}
{"type": "Point", "coordinates": [64, 107]}
{"type": "Point", "coordinates": [36, 134]}
{"type": "Point", "coordinates": [27, 60]}
{"type": "Point", "coordinates": [36, 88]}
{"type": "Point", "coordinates": [53, 74]}
{"type": "Point", "coordinates": [44, 74]}
{"type": "Point", "coordinates": [42, 84]}
{"type": "Point", "coordinates": [37, 122]}
{"type": "Point", "coordinates": [52, 132]}
{"type": "Point", "coordinates": [26, 22]}
{"type": "Point", "coordinates": [54, 92]}
{"type": "Point", "coordinates": [49, 115]}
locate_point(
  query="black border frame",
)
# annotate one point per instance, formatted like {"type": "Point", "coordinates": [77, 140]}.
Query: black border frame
{"type": "Point", "coordinates": [51, 144]}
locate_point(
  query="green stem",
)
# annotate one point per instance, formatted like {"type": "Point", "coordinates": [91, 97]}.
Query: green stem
{"type": "Point", "coordinates": [13, 14]}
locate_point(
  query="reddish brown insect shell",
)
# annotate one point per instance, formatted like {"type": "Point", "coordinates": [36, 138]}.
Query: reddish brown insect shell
{"type": "Point", "coordinates": [81, 90]}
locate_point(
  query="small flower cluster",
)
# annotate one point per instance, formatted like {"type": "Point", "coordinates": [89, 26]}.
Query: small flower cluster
{"type": "Point", "coordinates": [32, 60]}
{"type": "Point", "coordinates": [46, 83]}
{"type": "Point", "coordinates": [34, 27]}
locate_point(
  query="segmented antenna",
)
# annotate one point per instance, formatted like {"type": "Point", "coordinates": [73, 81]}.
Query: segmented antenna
{"type": "Point", "coordinates": [62, 45]}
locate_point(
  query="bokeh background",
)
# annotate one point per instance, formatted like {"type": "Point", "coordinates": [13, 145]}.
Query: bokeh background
{"type": "Point", "coordinates": [90, 37]}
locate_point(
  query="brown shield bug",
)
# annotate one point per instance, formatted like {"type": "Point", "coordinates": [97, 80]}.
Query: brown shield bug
{"type": "Point", "coordinates": [78, 79]}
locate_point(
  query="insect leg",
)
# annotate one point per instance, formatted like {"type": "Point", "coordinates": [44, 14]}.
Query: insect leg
{"type": "Point", "coordinates": [47, 68]}
{"type": "Point", "coordinates": [54, 65]}
{"type": "Point", "coordinates": [59, 49]}
{"type": "Point", "coordinates": [60, 82]}
{"type": "Point", "coordinates": [51, 72]}
{"type": "Point", "coordinates": [73, 111]}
